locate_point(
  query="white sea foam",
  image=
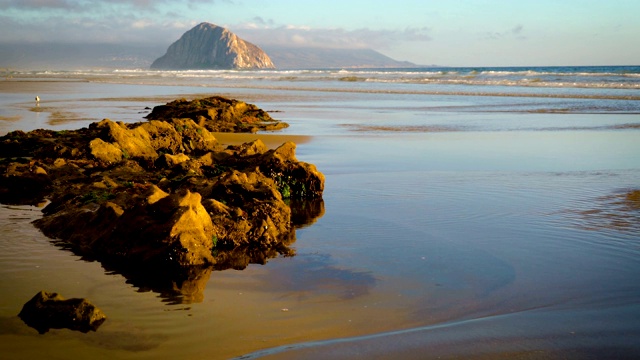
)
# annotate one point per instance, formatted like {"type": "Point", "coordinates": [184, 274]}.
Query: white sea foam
{"type": "Point", "coordinates": [573, 81]}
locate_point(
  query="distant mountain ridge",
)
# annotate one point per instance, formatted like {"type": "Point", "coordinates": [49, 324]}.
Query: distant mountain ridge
{"type": "Point", "coordinates": [321, 58]}
{"type": "Point", "coordinates": [208, 46]}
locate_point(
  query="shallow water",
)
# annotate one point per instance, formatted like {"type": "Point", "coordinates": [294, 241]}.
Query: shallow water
{"type": "Point", "coordinates": [453, 227]}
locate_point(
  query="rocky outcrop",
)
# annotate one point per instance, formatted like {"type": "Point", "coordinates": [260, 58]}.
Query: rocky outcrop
{"type": "Point", "coordinates": [208, 46]}
{"type": "Point", "coordinates": [218, 114]}
{"type": "Point", "coordinates": [161, 194]}
{"type": "Point", "coordinates": [48, 310]}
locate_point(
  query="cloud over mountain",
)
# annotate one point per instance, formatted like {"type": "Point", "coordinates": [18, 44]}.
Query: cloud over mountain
{"type": "Point", "coordinates": [267, 33]}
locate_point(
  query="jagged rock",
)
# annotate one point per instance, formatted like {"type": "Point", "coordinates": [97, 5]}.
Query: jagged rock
{"type": "Point", "coordinates": [163, 136]}
{"type": "Point", "coordinates": [134, 142]}
{"type": "Point", "coordinates": [117, 141]}
{"type": "Point", "coordinates": [51, 311]}
{"type": "Point", "coordinates": [159, 229]}
{"type": "Point", "coordinates": [104, 151]}
{"type": "Point", "coordinates": [163, 194]}
{"type": "Point", "coordinates": [195, 137]}
{"type": "Point", "coordinates": [173, 160]}
{"type": "Point", "coordinates": [294, 179]}
{"type": "Point", "coordinates": [254, 212]}
{"type": "Point", "coordinates": [207, 46]}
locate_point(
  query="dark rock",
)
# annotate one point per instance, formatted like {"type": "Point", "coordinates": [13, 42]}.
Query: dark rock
{"type": "Point", "coordinates": [217, 114]}
{"type": "Point", "coordinates": [51, 311]}
{"type": "Point", "coordinates": [21, 178]}
{"type": "Point", "coordinates": [207, 46]}
{"type": "Point", "coordinates": [164, 194]}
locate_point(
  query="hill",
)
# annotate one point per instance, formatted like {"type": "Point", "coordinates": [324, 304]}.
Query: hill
{"type": "Point", "coordinates": [208, 46]}
{"type": "Point", "coordinates": [321, 58]}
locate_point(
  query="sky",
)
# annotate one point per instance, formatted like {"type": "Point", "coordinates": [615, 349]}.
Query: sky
{"type": "Point", "coordinates": [426, 32]}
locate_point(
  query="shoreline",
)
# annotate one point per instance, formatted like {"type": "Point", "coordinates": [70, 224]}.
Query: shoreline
{"type": "Point", "coordinates": [534, 89]}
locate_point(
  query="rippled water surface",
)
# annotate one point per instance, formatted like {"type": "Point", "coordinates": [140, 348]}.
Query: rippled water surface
{"type": "Point", "coordinates": [454, 227]}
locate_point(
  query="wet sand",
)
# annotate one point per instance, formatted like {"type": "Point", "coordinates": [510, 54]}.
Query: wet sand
{"type": "Point", "coordinates": [484, 338]}
{"type": "Point", "coordinates": [446, 235]}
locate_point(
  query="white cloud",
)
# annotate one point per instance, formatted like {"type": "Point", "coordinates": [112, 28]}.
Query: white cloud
{"type": "Point", "coordinates": [37, 4]}
{"type": "Point", "coordinates": [515, 32]}
{"type": "Point", "coordinates": [180, 24]}
{"type": "Point", "coordinates": [296, 27]}
{"type": "Point", "coordinates": [148, 21]}
{"type": "Point", "coordinates": [142, 23]}
{"type": "Point", "coordinates": [293, 35]}
{"type": "Point", "coordinates": [76, 7]}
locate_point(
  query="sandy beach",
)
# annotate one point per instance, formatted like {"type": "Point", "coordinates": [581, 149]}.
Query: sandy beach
{"type": "Point", "coordinates": [454, 227]}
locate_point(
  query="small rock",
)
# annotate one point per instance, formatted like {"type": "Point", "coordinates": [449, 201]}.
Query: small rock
{"type": "Point", "coordinates": [99, 185]}
{"type": "Point", "coordinates": [51, 311]}
{"type": "Point", "coordinates": [59, 162]}
{"type": "Point", "coordinates": [39, 171]}
{"type": "Point", "coordinates": [173, 160]}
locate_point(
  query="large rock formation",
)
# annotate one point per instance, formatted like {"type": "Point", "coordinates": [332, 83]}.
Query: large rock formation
{"type": "Point", "coordinates": [163, 195]}
{"type": "Point", "coordinates": [208, 46]}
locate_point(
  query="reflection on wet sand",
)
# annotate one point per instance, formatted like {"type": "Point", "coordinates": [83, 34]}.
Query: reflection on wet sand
{"type": "Point", "coordinates": [59, 116]}
{"type": "Point", "coordinates": [187, 285]}
{"type": "Point", "coordinates": [619, 211]}
{"type": "Point", "coordinates": [450, 128]}
{"type": "Point", "coordinates": [402, 128]}
{"type": "Point", "coordinates": [174, 286]}
{"type": "Point", "coordinates": [581, 128]}
{"type": "Point", "coordinates": [10, 118]}
{"type": "Point", "coordinates": [117, 336]}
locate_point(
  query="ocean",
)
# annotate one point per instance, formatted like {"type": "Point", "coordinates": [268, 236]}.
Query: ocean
{"type": "Point", "coordinates": [469, 213]}
{"type": "Point", "coordinates": [589, 76]}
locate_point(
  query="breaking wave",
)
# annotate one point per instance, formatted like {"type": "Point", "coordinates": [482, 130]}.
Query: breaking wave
{"type": "Point", "coordinates": [611, 77]}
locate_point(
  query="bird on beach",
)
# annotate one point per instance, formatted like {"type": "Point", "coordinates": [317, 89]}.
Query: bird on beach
{"type": "Point", "coordinates": [37, 99]}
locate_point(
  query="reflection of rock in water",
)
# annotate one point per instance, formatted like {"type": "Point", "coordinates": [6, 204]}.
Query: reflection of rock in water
{"type": "Point", "coordinates": [175, 285]}
{"type": "Point", "coordinates": [187, 285]}
{"type": "Point", "coordinates": [305, 212]}
{"type": "Point", "coordinates": [619, 211]}
{"type": "Point", "coordinates": [119, 336]}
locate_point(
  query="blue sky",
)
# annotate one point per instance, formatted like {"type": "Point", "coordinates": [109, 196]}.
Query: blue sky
{"type": "Point", "coordinates": [442, 32]}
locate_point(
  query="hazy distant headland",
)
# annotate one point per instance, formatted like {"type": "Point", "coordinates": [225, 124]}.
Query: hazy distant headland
{"type": "Point", "coordinates": [326, 58]}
